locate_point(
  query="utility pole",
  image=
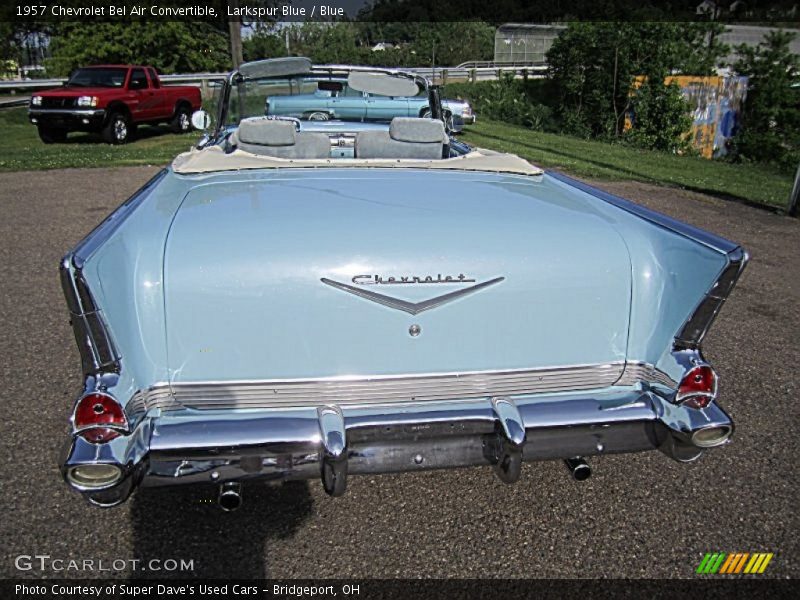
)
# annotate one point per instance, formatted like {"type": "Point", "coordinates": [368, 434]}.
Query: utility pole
{"type": "Point", "coordinates": [793, 199]}
{"type": "Point", "coordinates": [235, 28]}
{"type": "Point", "coordinates": [433, 61]}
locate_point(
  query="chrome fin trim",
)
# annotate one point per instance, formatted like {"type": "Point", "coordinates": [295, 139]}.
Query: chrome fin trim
{"type": "Point", "coordinates": [699, 322]}
{"type": "Point", "coordinates": [96, 346]}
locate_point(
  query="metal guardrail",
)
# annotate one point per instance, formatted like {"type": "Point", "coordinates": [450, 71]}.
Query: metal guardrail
{"type": "Point", "coordinates": [491, 64]}
{"type": "Point", "coordinates": [11, 102]}
{"type": "Point", "coordinates": [438, 75]}
{"type": "Point", "coordinates": [43, 84]}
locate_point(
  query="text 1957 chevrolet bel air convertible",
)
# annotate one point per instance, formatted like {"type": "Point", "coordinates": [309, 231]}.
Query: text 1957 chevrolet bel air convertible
{"type": "Point", "coordinates": [299, 299]}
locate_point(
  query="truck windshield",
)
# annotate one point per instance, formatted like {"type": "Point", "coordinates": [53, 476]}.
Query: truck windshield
{"type": "Point", "coordinates": [98, 77]}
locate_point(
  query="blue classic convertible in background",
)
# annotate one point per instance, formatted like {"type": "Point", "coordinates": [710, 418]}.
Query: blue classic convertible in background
{"type": "Point", "coordinates": [336, 99]}
{"type": "Point", "coordinates": [297, 299]}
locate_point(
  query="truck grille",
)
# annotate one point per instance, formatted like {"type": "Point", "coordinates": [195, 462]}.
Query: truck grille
{"type": "Point", "coordinates": [48, 102]}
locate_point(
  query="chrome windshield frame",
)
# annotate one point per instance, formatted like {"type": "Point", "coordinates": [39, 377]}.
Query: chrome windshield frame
{"type": "Point", "coordinates": [235, 77]}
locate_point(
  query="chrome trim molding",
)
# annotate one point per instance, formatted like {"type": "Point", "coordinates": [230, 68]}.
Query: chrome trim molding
{"type": "Point", "coordinates": [413, 308]}
{"type": "Point", "coordinates": [700, 321]}
{"type": "Point", "coordinates": [335, 442]}
{"type": "Point", "coordinates": [390, 389]}
{"type": "Point", "coordinates": [86, 112]}
{"type": "Point", "coordinates": [636, 372]}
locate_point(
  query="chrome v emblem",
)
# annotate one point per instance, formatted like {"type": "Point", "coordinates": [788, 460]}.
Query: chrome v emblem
{"type": "Point", "coordinates": [413, 308]}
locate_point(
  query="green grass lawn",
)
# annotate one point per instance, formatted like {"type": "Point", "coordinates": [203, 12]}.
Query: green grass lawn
{"type": "Point", "coordinates": [21, 148]}
{"type": "Point", "coordinates": [600, 160]}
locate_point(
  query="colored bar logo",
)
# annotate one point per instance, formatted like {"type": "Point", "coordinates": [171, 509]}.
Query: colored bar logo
{"type": "Point", "coordinates": [734, 563]}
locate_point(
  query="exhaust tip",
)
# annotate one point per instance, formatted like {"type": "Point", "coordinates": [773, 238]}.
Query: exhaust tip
{"type": "Point", "coordinates": [230, 496]}
{"type": "Point", "coordinates": [708, 437]}
{"type": "Point", "coordinates": [93, 476]}
{"type": "Point", "coordinates": [578, 468]}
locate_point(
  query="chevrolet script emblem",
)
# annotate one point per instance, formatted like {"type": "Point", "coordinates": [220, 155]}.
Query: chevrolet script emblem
{"type": "Point", "coordinates": [413, 308]}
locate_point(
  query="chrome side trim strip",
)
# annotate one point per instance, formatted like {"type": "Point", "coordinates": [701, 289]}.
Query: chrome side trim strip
{"type": "Point", "coordinates": [644, 372]}
{"type": "Point", "coordinates": [390, 389]}
{"type": "Point", "coordinates": [95, 344]}
{"type": "Point", "coordinates": [700, 321]}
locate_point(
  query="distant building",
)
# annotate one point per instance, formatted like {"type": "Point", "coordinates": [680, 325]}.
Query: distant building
{"type": "Point", "coordinates": [382, 46]}
{"type": "Point", "coordinates": [752, 36]}
{"type": "Point", "coordinates": [524, 43]}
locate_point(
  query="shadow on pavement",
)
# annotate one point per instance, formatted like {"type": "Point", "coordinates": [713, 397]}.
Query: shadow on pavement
{"type": "Point", "coordinates": [186, 523]}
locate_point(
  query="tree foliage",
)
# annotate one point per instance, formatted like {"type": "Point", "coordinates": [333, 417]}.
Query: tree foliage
{"type": "Point", "coordinates": [593, 67]}
{"type": "Point", "coordinates": [771, 117]}
{"type": "Point", "coordinates": [414, 44]}
{"type": "Point", "coordinates": [517, 101]}
{"type": "Point", "coordinates": [661, 118]}
{"type": "Point", "coordinates": [170, 46]}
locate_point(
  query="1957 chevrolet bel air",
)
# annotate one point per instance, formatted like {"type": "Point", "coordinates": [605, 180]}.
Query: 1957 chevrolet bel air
{"type": "Point", "coordinates": [295, 300]}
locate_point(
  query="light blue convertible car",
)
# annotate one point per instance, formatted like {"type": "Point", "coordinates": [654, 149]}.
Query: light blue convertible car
{"type": "Point", "coordinates": [299, 299]}
{"type": "Point", "coordinates": [334, 98]}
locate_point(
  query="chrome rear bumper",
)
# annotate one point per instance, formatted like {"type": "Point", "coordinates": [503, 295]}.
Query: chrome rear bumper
{"type": "Point", "coordinates": [210, 446]}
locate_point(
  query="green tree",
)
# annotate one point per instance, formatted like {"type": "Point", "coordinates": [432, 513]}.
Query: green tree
{"type": "Point", "coordinates": [593, 67]}
{"type": "Point", "coordinates": [265, 42]}
{"type": "Point", "coordinates": [170, 46]}
{"type": "Point", "coordinates": [771, 116]}
{"type": "Point", "coordinates": [661, 118]}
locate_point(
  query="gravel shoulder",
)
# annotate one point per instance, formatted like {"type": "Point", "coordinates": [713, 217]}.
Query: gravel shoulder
{"type": "Point", "coordinates": [638, 516]}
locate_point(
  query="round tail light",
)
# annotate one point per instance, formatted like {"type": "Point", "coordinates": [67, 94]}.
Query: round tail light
{"type": "Point", "coordinates": [698, 387]}
{"type": "Point", "coordinates": [99, 418]}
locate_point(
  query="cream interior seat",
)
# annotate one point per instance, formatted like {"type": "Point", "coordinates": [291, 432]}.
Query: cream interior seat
{"type": "Point", "coordinates": [274, 137]}
{"type": "Point", "coordinates": [408, 137]}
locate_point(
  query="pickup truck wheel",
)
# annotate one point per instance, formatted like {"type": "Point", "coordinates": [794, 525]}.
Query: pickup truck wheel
{"type": "Point", "coordinates": [117, 130]}
{"type": "Point", "coordinates": [182, 121]}
{"type": "Point", "coordinates": [50, 135]}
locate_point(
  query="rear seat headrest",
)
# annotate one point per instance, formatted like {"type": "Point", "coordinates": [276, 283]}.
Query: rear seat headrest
{"type": "Point", "coordinates": [267, 132]}
{"type": "Point", "coordinates": [417, 130]}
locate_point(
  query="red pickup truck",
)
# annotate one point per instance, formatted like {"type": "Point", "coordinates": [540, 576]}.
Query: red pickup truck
{"type": "Point", "coordinates": [112, 100]}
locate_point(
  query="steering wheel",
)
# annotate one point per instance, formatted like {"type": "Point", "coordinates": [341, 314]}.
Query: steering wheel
{"type": "Point", "coordinates": [297, 122]}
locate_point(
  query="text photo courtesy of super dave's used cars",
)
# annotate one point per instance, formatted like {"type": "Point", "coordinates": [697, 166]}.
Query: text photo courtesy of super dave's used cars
{"type": "Point", "coordinates": [311, 294]}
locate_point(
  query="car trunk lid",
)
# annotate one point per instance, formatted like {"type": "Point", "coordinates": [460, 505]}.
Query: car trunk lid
{"type": "Point", "coordinates": [355, 272]}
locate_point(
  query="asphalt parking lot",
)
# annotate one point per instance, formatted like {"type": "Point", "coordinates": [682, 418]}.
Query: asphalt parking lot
{"type": "Point", "coordinates": [638, 516]}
